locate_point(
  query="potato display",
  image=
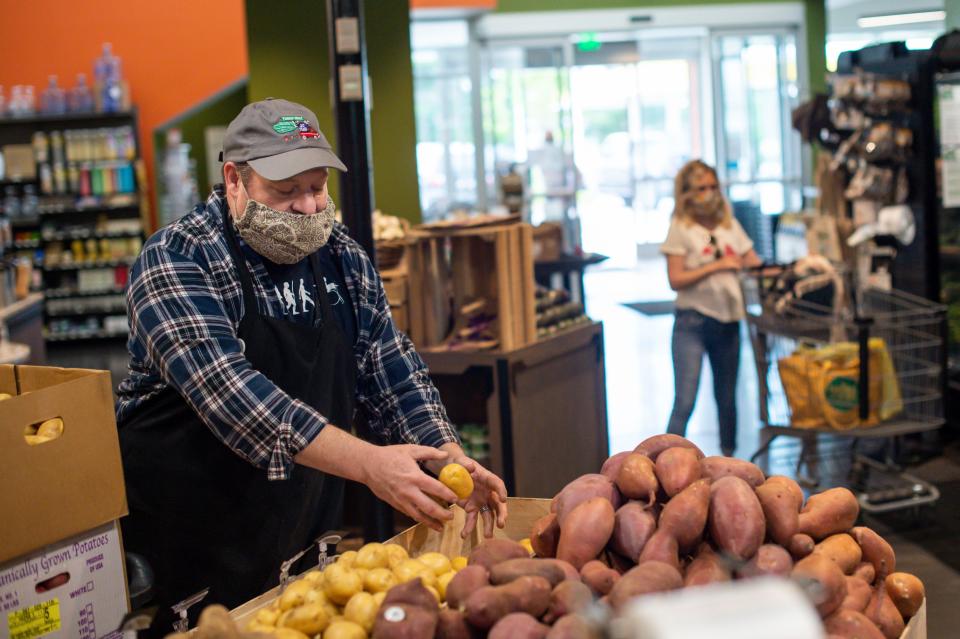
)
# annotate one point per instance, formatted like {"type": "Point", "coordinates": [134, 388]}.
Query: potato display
{"type": "Point", "coordinates": [658, 518]}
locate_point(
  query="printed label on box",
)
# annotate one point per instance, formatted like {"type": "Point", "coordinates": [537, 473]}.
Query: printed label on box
{"type": "Point", "coordinates": [35, 621]}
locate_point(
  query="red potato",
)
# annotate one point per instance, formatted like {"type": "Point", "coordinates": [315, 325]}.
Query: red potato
{"type": "Point", "coordinates": [770, 559]}
{"type": "Point", "coordinates": [706, 568]}
{"type": "Point", "coordinates": [653, 446]}
{"type": "Point", "coordinates": [685, 516]}
{"type": "Point", "coordinates": [865, 571]}
{"type": "Point", "coordinates": [545, 535]}
{"type": "Point", "coordinates": [850, 624]}
{"type": "Point", "coordinates": [800, 546]}
{"type": "Point", "coordinates": [876, 551]}
{"type": "Point", "coordinates": [599, 577]}
{"type": "Point", "coordinates": [582, 489]}
{"type": "Point", "coordinates": [465, 583]}
{"type": "Point", "coordinates": [662, 547]}
{"type": "Point", "coordinates": [611, 467]}
{"type": "Point", "coordinates": [573, 627]}
{"type": "Point", "coordinates": [676, 468]}
{"type": "Point", "coordinates": [827, 513]}
{"type": "Point", "coordinates": [452, 625]}
{"type": "Point", "coordinates": [736, 520]}
{"type": "Point", "coordinates": [507, 571]}
{"type": "Point", "coordinates": [884, 614]}
{"type": "Point", "coordinates": [492, 551]}
{"type": "Point", "coordinates": [832, 582]}
{"type": "Point", "coordinates": [906, 592]}
{"type": "Point", "coordinates": [586, 531]}
{"type": "Point", "coordinates": [715, 467]}
{"type": "Point", "coordinates": [518, 625]}
{"type": "Point", "coordinates": [633, 525]}
{"type": "Point", "coordinates": [487, 605]}
{"type": "Point", "coordinates": [843, 550]}
{"type": "Point", "coordinates": [568, 597]}
{"type": "Point", "coordinates": [637, 479]}
{"type": "Point", "coordinates": [858, 594]}
{"type": "Point", "coordinates": [653, 576]}
{"type": "Point", "coordinates": [572, 574]}
{"type": "Point", "coordinates": [781, 509]}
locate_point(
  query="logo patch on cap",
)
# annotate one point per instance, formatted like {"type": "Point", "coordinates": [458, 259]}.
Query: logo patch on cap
{"type": "Point", "coordinates": [295, 124]}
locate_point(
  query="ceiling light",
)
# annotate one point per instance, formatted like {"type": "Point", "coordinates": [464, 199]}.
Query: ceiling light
{"type": "Point", "coordinates": [869, 22]}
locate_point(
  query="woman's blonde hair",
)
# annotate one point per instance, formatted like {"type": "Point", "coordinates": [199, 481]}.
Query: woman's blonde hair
{"type": "Point", "coordinates": [681, 187]}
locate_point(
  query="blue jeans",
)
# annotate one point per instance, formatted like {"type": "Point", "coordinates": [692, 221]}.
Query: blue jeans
{"type": "Point", "coordinates": [693, 335]}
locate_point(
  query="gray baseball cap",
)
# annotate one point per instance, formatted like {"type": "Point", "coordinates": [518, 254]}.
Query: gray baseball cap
{"type": "Point", "coordinates": [279, 139]}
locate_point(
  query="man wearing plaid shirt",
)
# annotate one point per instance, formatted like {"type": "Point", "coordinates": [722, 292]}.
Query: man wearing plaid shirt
{"type": "Point", "coordinates": [256, 325]}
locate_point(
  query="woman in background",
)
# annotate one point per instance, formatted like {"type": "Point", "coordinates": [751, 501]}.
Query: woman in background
{"type": "Point", "coordinates": [706, 248]}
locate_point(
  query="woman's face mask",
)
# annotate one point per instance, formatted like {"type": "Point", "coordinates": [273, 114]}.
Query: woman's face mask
{"type": "Point", "coordinates": [281, 236]}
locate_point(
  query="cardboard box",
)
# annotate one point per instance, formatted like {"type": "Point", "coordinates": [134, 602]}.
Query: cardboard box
{"type": "Point", "coordinates": [61, 501]}
{"type": "Point", "coordinates": [523, 513]}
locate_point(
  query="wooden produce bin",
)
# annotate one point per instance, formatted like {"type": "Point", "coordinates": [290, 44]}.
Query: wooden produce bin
{"type": "Point", "coordinates": [395, 287]}
{"type": "Point", "coordinates": [544, 407]}
{"type": "Point", "coordinates": [452, 267]}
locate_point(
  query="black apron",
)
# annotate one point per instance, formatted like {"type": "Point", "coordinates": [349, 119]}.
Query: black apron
{"type": "Point", "coordinates": [202, 515]}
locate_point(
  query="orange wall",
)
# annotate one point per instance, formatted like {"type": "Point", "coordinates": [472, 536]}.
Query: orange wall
{"type": "Point", "coordinates": [175, 53]}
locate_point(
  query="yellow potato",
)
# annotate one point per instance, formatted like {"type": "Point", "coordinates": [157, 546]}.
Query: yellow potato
{"type": "Point", "coordinates": [344, 630]}
{"type": "Point", "coordinates": [442, 582]}
{"type": "Point", "coordinates": [379, 597]}
{"type": "Point", "coordinates": [436, 562]}
{"type": "Point", "coordinates": [51, 428]}
{"type": "Point", "coordinates": [362, 610]}
{"type": "Point", "coordinates": [4, 396]}
{"type": "Point", "coordinates": [340, 585]}
{"type": "Point", "coordinates": [347, 559]}
{"type": "Point", "coordinates": [458, 479]}
{"type": "Point", "coordinates": [294, 594]}
{"type": "Point", "coordinates": [459, 563]}
{"type": "Point", "coordinates": [308, 619]}
{"type": "Point", "coordinates": [525, 542]}
{"type": "Point", "coordinates": [411, 569]}
{"type": "Point", "coordinates": [314, 576]}
{"type": "Point", "coordinates": [253, 626]}
{"type": "Point", "coordinates": [372, 556]}
{"type": "Point", "coordinates": [435, 593]}
{"type": "Point", "coordinates": [267, 616]}
{"type": "Point", "coordinates": [35, 440]}
{"type": "Point", "coordinates": [379, 580]}
{"type": "Point", "coordinates": [395, 555]}
{"type": "Point", "coordinates": [288, 633]}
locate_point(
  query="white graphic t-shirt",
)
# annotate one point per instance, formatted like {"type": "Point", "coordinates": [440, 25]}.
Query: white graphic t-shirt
{"type": "Point", "coordinates": [718, 295]}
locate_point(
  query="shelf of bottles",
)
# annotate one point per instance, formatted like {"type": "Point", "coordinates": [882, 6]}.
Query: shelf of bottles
{"type": "Point", "coordinates": [70, 197]}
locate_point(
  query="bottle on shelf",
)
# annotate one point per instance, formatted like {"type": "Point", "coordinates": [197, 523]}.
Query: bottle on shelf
{"type": "Point", "coordinates": [81, 98]}
{"type": "Point", "coordinates": [53, 100]}
{"type": "Point", "coordinates": [107, 75]}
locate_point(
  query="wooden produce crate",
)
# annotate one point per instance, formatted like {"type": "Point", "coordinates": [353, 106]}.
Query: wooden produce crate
{"type": "Point", "coordinates": [547, 242]}
{"type": "Point", "coordinates": [450, 268]}
{"type": "Point", "coordinates": [395, 286]}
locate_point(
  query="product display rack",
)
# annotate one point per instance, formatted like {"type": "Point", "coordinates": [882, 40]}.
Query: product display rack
{"type": "Point", "coordinates": [81, 244]}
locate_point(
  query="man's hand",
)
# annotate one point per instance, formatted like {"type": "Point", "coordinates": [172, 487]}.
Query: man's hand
{"type": "Point", "coordinates": [489, 498]}
{"type": "Point", "coordinates": [393, 474]}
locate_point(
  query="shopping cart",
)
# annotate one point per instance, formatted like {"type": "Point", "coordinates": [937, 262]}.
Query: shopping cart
{"type": "Point", "coordinates": [913, 331]}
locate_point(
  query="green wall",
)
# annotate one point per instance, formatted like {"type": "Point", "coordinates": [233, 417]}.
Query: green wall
{"type": "Point", "coordinates": [218, 110]}
{"type": "Point", "coordinates": [289, 58]}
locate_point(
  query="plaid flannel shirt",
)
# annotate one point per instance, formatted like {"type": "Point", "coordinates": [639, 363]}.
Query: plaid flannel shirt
{"type": "Point", "coordinates": [184, 305]}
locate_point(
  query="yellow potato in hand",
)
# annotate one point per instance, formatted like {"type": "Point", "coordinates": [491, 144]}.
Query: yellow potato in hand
{"type": "Point", "coordinates": [436, 562]}
{"type": "Point", "coordinates": [458, 479]}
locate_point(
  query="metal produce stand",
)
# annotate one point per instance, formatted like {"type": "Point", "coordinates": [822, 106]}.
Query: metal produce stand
{"type": "Point", "coordinates": [913, 331]}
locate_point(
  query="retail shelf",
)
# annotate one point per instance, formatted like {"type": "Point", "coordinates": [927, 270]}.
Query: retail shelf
{"type": "Point", "coordinates": [99, 208]}
{"type": "Point", "coordinates": [117, 309]}
{"type": "Point", "coordinates": [67, 237]}
{"type": "Point", "coordinates": [82, 119]}
{"type": "Point", "coordinates": [21, 222]}
{"type": "Point", "coordinates": [67, 293]}
{"type": "Point", "coordinates": [77, 336]}
{"type": "Point", "coordinates": [26, 244]}
{"type": "Point", "coordinates": [79, 266]}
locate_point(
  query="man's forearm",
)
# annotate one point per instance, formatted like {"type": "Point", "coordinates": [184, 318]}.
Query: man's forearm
{"type": "Point", "coordinates": [337, 452]}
